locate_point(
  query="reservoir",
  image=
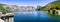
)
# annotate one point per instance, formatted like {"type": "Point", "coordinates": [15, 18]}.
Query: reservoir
{"type": "Point", "coordinates": [35, 16]}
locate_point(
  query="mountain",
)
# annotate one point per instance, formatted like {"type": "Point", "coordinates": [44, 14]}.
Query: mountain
{"type": "Point", "coordinates": [1, 7]}
{"type": "Point", "coordinates": [2, 4]}
{"type": "Point", "coordinates": [53, 5]}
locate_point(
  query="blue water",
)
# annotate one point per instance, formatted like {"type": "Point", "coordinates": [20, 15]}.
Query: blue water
{"type": "Point", "coordinates": [34, 16]}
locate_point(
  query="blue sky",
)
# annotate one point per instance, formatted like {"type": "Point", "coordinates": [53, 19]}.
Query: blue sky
{"type": "Point", "coordinates": [26, 2]}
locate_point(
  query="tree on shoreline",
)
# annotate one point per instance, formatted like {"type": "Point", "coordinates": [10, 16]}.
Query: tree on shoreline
{"type": "Point", "coordinates": [1, 7]}
{"type": "Point", "coordinates": [53, 5]}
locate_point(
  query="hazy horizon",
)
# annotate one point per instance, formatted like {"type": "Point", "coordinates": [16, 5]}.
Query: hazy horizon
{"type": "Point", "coordinates": [26, 2]}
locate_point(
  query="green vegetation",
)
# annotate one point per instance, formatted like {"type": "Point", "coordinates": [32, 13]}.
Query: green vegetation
{"type": "Point", "coordinates": [52, 6]}
{"type": "Point", "coordinates": [1, 7]}
{"type": "Point", "coordinates": [4, 11]}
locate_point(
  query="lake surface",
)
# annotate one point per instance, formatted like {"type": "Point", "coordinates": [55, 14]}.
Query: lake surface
{"type": "Point", "coordinates": [34, 16]}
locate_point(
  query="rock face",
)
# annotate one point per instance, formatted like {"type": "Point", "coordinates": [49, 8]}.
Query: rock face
{"type": "Point", "coordinates": [1, 20]}
{"type": "Point", "coordinates": [1, 14]}
{"type": "Point", "coordinates": [58, 12]}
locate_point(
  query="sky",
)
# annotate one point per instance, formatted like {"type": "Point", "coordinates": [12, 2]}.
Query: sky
{"type": "Point", "coordinates": [26, 2]}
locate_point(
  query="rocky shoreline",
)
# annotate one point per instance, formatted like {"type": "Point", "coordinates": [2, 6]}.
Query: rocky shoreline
{"type": "Point", "coordinates": [7, 16]}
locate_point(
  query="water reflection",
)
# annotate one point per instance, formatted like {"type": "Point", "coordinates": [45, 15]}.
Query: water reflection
{"type": "Point", "coordinates": [34, 16]}
{"type": "Point", "coordinates": [55, 17]}
{"type": "Point", "coordinates": [27, 12]}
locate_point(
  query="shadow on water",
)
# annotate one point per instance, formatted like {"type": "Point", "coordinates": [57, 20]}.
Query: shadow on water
{"type": "Point", "coordinates": [55, 17]}
{"type": "Point", "coordinates": [35, 16]}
